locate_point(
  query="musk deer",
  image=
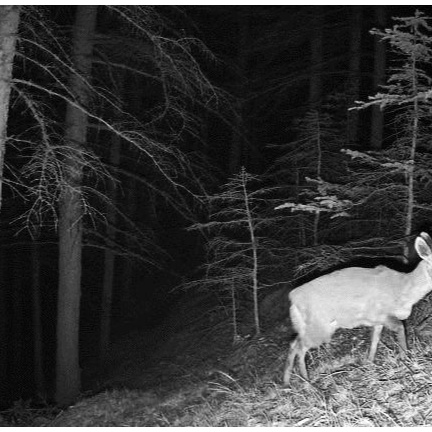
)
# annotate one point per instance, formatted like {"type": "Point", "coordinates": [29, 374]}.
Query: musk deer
{"type": "Point", "coordinates": [376, 297]}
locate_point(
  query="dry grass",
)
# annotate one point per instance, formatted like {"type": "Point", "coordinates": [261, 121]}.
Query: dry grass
{"type": "Point", "coordinates": [201, 379]}
{"type": "Point", "coordinates": [343, 391]}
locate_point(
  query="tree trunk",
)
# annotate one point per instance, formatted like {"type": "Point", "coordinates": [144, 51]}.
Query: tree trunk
{"type": "Point", "coordinates": [109, 259]}
{"type": "Point", "coordinates": [136, 97]}
{"type": "Point", "coordinates": [316, 46]}
{"type": "Point", "coordinates": [9, 20]}
{"type": "Point", "coordinates": [68, 380]}
{"type": "Point", "coordinates": [379, 79]}
{"type": "Point", "coordinates": [315, 92]}
{"type": "Point", "coordinates": [254, 246]}
{"type": "Point", "coordinates": [319, 152]}
{"type": "Point", "coordinates": [4, 336]}
{"type": "Point", "coordinates": [234, 312]}
{"type": "Point", "coordinates": [37, 323]}
{"type": "Point", "coordinates": [128, 263]}
{"type": "Point", "coordinates": [354, 73]}
{"type": "Point", "coordinates": [238, 139]}
{"type": "Point", "coordinates": [17, 317]}
{"type": "Point", "coordinates": [415, 130]}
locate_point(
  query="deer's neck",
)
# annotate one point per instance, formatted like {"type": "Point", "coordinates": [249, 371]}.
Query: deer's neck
{"type": "Point", "coordinates": [417, 283]}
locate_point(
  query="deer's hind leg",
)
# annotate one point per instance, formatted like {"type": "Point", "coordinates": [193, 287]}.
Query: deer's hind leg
{"type": "Point", "coordinates": [398, 327]}
{"type": "Point", "coordinates": [297, 349]}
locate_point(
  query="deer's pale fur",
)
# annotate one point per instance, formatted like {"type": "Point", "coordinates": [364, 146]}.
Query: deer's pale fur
{"type": "Point", "coordinates": [376, 297]}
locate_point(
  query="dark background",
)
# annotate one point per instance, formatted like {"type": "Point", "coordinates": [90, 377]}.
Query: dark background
{"type": "Point", "coordinates": [263, 62]}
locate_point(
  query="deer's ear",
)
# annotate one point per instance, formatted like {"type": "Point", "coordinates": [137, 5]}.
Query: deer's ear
{"type": "Point", "coordinates": [422, 247]}
{"type": "Point", "coordinates": [425, 236]}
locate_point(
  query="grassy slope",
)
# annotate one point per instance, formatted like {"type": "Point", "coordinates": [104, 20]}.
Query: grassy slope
{"type": "Point", "coordinates": [198, 378]}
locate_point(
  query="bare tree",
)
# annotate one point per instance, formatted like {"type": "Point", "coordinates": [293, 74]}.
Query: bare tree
{"type": "Point", "coordinates": [68, 382]}
{"type": "Point", "coordinates": [9, 20]}
{"type": "Point", "coordinates": [38, 357]}
{"type": "Point", "coordinates": [109, 255]}
{"type": "Point", "coordinates": [63, 172]}
{"type": "Point", "coordinates": [235, 247]}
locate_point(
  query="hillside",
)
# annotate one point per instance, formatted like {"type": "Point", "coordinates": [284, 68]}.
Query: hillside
{"type": "Point", "coordinates": [198, 377]}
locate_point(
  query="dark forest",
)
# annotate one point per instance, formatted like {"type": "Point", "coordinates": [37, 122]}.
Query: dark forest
{"type": "Point", "coordinates": [169, 177]}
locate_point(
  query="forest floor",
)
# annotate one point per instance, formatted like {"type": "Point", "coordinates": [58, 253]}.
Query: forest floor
{"type": "Point", "coordinates": [194, 375]}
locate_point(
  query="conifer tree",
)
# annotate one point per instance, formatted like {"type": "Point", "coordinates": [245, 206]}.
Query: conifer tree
{"type": "Point", "coordinates": [237, 244]}
{"type": "Point", "coordinates": [394, 174]}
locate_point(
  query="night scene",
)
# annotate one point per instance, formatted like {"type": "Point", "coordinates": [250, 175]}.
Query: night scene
{"type": "Point", "coordinates": [215, 216]}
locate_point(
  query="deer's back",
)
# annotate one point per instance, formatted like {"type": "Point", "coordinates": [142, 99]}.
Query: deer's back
{"type": "Point", "coordinates": [348, 298]}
